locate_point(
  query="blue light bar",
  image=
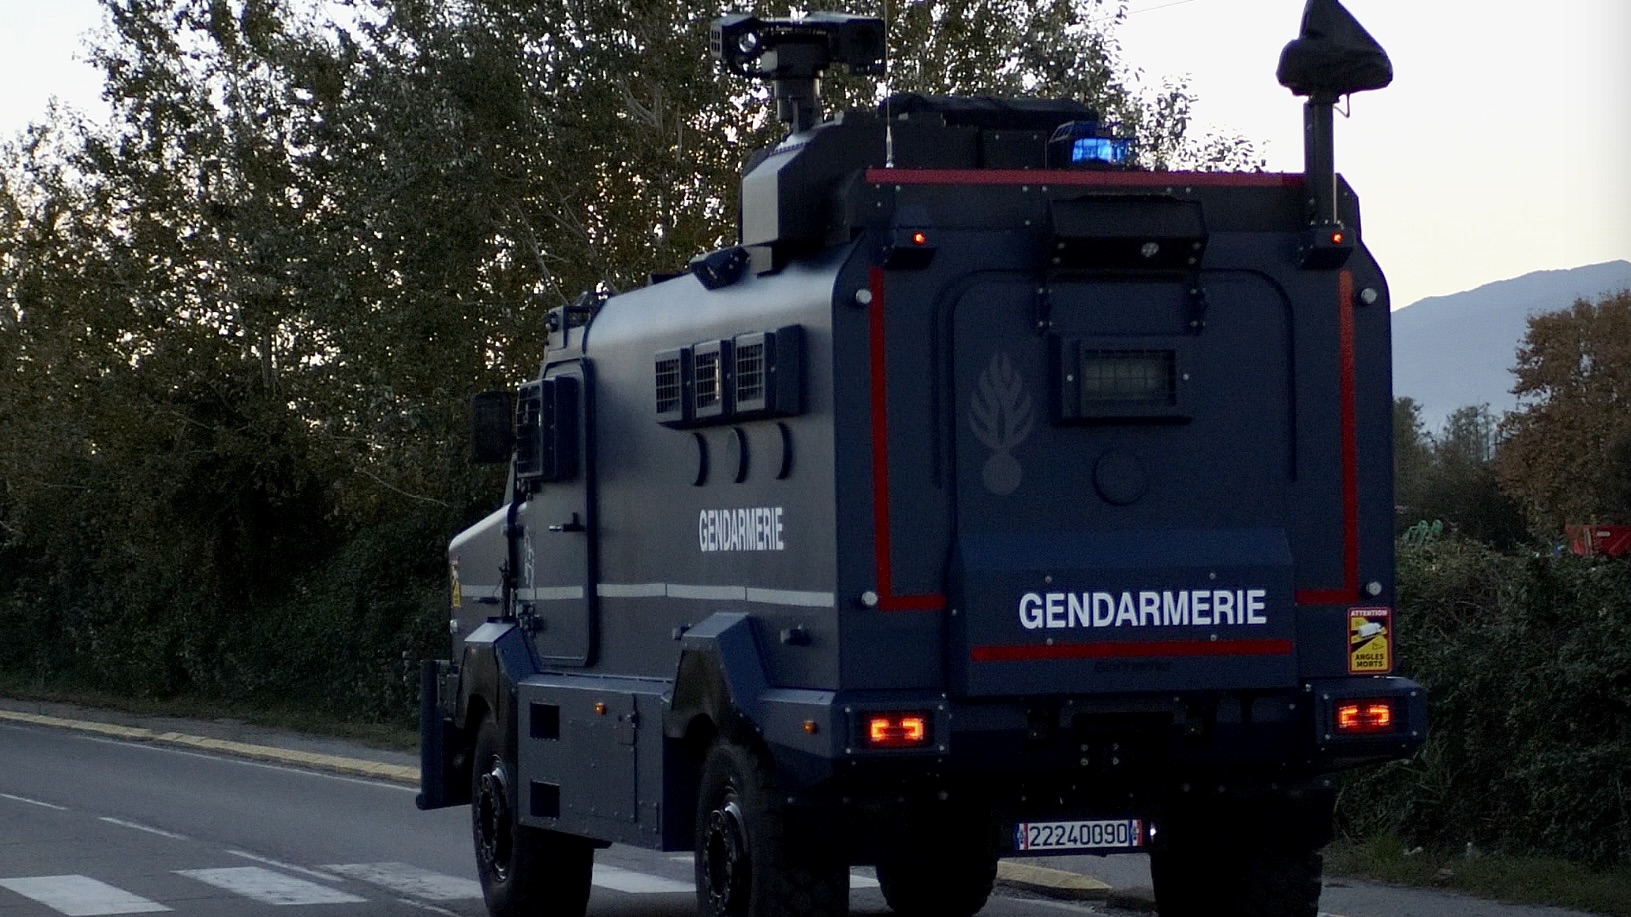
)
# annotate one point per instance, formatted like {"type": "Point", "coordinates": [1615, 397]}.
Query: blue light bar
{"type": "Point", "coordinates": [1089, 145]}
{"type": "Point", "coordinates": [1108, 150]}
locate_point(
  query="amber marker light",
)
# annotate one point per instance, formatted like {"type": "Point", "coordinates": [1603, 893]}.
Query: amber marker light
{"type": "Point", "coordinates": [919, 238]}
{"type": "Point", "coordinates": [1363, 717]}
{"type": "Point", "coordinates": [897, 730]}
{"type": "Point", "coordinates": [1337, 237]}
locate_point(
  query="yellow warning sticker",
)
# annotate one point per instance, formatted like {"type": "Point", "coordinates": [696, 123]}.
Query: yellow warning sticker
{"type": "Point", "coordinates": [1370, 635]}
{"type": "Point", "coordinates": [458, 593]}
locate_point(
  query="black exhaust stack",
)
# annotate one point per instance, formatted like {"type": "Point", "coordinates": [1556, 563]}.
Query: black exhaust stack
{"type": "Point", "coordinates": [1332, 57]}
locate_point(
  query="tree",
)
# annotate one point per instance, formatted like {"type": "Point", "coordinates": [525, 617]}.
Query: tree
{"type": "Point", "coordinates": [1412, 462]}
{"type": "Point", "coordinates": [239, 321]}
{"type": "Point", "coordinates": [1462, 488]}
{"type": "Point", "coordinates": [1574, 391]}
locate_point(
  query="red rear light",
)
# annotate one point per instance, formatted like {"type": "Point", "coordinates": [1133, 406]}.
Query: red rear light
{"type": "Point", "coordinates": [897, 730]}
{"type": "Point", "coordinates": [1364, 716]}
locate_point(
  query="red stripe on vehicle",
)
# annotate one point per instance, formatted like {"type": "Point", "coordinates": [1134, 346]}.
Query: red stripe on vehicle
{"type": "Point", "coordinates": [1126, 650]}
{"type": "Point", "coordinates": [1350, 456]}
{"type": "Point", "coordinates": [1090, 178]}
{"type": "Point", "coordinates": [887, 600]}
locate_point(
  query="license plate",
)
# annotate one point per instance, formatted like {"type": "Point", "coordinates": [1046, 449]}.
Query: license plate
{"type": "Point", "coordinates": [1104, 834]}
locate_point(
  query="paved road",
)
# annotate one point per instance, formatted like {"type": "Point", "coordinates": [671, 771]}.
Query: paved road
{"type": "Point", "coordinates": [91, 825]}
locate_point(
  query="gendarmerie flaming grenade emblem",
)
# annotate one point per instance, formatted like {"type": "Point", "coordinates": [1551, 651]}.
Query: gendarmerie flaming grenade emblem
{"type": "Point", "coordinates": [1000, 415]}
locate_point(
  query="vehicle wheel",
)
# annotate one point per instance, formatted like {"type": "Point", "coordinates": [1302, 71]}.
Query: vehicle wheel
{"type": "Point", "coordinates": [745, 862]}
{"type": "Point", "coordinates": [1205, 870]}
{"type": "Point", "coordinates": [947, 870]}
{"type": "Point", "coordinates": [525, 872]}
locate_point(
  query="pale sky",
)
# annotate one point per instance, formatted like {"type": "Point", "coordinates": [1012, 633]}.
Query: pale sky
{"type": "Point", "coordinates": [1502, 147]}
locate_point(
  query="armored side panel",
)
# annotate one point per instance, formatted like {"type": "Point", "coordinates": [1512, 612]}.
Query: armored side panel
{"type": "Point", "coordinates": [590, 752]}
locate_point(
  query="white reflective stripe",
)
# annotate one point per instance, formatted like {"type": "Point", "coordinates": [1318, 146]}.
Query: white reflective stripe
{"type": "Point", "coordinates": [633, 590]}
{"type": "Point", "coordinates": [638, 883]}
{"type": "Point", "coordinates": [411, 880]}
{"type": "Point", "coordinates": [712, 593]}
{"type": "Point", "coordinates": [549, 593]}
{"type": "Point", "coordinates": [269, 887]}
{"type": "Point", "coordinates": [791, 597]}
{"type": "Point", "coordinates": [479, 592]}
{"type": "Point", "coordinates": [81, 896]}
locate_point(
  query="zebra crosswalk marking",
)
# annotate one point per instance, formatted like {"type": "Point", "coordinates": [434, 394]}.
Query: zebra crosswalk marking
{"type": "Point", "coordinates": [269, 887]}
{"type": "Point", "coordinates": [81, 896]}
{"type": "Point", "coordinates": [638, 883]}
{"type": "Point", "coordinates": [411, 880]}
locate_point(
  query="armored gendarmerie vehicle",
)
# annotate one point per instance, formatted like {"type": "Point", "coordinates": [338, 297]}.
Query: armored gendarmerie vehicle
{"type": "Point", "coordinates": [991, 498]}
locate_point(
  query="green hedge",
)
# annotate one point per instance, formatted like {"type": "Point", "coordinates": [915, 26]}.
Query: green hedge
{"type": "Point", "coordinates": [1527, 665]}
{"type": "Point", "coordinates": [339, 640]}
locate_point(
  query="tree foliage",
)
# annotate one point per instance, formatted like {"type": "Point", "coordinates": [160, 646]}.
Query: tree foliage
{"type": "Point", "coordinates": [1450, 476]}
{"type": "Point", "coordinates": [1565, 451]}
{"type": "Point", "coordinates": [240, 319]}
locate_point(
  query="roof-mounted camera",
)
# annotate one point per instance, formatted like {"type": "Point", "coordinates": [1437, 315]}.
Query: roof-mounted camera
{"type": "Point", "coordinates": [793, 54]}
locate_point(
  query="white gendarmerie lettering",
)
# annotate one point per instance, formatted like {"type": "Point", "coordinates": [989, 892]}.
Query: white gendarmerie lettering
{"type": "Point", "coordinates": [748, 528]}
{"type": "Point", "coordinates": [1143, 608]}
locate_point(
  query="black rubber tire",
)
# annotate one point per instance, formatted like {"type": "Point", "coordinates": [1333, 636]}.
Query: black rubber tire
{"type": "Point", "coordinates": [745, 863]}
{"type": "Point", "coordinates": [1211, 870]}
{"type": "Point", "coordinates": [524, 872]}
{"type": "Point", "coordinates": [947, 869]}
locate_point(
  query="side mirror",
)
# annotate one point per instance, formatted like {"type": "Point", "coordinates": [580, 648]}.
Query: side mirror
{"type": "Point", "coordinates": [492, 436]}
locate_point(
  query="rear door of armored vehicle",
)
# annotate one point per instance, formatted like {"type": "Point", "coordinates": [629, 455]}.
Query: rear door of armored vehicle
{"type": "Point", "coordinates": [1125, 423]}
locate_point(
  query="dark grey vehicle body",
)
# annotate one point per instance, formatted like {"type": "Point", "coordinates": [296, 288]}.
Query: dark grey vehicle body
{"type": "Point", "coordinates": [1091, 468]}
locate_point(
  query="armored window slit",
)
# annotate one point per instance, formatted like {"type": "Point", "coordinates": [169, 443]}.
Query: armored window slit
{"type": "Point", "coordinates": [1110, 380]}
{"type": "Point", "coordinates": [751, 376]}
{"type": "Point", "coordinates": [750, 373]}
{"type": "Point", "coordinates": [670, 388]}
{"type": "Point", "coordinates": [1146, 377]}
{"type": "Point", "coordinates": [710, 382]}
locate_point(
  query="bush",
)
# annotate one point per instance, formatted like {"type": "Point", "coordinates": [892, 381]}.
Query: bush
{"type": "Point", "coordinates": [1527, 665]}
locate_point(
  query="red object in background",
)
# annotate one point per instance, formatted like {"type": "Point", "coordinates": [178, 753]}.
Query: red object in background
{"type": "Point", "coordinates": [1604, 540]}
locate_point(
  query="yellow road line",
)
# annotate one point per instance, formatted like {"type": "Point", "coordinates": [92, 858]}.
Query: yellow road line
{"type": "Point", "coordinates": [395, 773]}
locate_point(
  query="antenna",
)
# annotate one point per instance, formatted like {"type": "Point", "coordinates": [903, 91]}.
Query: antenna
{"type": "Point", "coordinates": [888, 97]}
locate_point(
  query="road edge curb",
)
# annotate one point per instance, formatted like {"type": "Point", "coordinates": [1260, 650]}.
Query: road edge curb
{"type": "Point", "coordinates": [1054, 883]}
{"type": "Point", "coordinates": [355, 767]}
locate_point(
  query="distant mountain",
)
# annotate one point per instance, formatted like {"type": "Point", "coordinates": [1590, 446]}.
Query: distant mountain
{"type": "Point", "coordinates": [1450, 351]}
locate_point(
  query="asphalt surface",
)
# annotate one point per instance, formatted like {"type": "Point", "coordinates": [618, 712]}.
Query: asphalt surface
{"type": "Point", "coordinates": [105, 813]}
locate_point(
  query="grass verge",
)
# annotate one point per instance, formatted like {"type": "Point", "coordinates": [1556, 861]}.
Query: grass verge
{"type": "Point", "coordinates": [1502, 877]}
{"type": "Point", "coordinates": [378, 735]}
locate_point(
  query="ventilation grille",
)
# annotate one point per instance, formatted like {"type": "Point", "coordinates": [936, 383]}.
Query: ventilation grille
{"type": "Point", "coordinates": [750, 373]}
{"type": "Point", "coordinates": [709, 366]}
{"type": "Point", "coordinates": [670, 386]}
{"type": "Point", "coordinates": [751, 376]}
{"type": "Point", "coordinates": [708, 385]}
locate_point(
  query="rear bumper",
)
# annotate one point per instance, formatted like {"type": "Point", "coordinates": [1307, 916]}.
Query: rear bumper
{"type": "Point", "coordinates": [1131, 743]}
